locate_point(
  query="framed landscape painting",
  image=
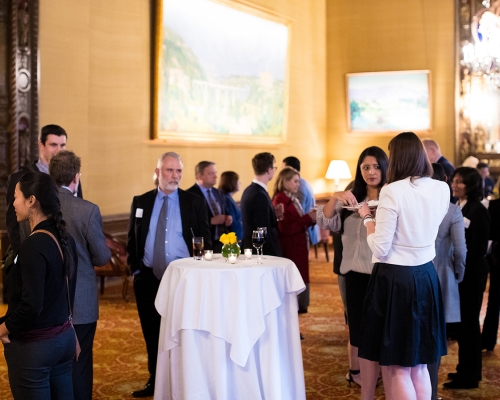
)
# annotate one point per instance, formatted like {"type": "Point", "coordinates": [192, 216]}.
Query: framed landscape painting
{"type": "Point", "coordinates": [389, 101]}
{"type": "Point", "coordinates": [221, 71]}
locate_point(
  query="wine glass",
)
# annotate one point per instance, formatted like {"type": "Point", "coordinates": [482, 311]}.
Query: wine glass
{"type": "Point", "coordinates": [258, 242]}
{"type": "Point", "coordinates": [264, 232]}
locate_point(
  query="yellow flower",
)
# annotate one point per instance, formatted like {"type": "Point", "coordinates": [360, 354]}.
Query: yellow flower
{"type": "Point", "coordinates": [232, 237]}
{"type": "Point", "coordinates": [228, 238]}
{"type": "Point", "coordinates": [224, 239]}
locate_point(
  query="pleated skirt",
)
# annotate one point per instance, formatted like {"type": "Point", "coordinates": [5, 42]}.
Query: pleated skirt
{"type": "Point", "coordinates": [403, 321]}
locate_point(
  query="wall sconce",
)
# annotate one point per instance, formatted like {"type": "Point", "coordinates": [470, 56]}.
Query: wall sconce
{"type": "Point", "coordinates": [337, 170]}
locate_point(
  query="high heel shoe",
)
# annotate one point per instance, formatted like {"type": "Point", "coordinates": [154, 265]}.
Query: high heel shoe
{"type": "Point", "coordinates": [352, 376]}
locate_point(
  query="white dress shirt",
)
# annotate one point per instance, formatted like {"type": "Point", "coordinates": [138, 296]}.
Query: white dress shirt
{"type": "Point", "coordinates": [408, 219]}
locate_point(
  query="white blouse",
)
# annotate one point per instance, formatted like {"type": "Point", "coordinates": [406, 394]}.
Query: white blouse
{"type": "Point", "coordinates": [408, 219]}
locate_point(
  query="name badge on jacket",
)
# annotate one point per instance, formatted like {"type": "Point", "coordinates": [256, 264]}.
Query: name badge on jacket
{"type": "Point", "coordinates": [466, 222]}
{"type": "Point", "coordinates": [138, 212]}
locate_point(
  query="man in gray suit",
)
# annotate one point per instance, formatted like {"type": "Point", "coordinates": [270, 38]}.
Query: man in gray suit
{"type": "Point", "coordinates": [84, 224]}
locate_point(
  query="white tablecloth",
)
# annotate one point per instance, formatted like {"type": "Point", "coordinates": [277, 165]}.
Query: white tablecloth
{"type": "Point", "coordinates": [229, 331]}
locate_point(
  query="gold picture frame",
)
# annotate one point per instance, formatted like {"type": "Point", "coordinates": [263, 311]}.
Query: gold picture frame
{"type": "Point", "coordinates": [216, 81]}
{"type": "Point", "coordinates": [389, 102]}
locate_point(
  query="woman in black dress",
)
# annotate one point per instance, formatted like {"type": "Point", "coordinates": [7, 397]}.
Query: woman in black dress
{"type": "Point", "coordinates": [466, 184]}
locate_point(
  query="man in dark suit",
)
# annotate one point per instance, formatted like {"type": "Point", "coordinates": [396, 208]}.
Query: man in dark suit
{"type": "Point", "coordinates": [206, 179]}
{"type": "Point", "coordinates": [52, 141]}
{"type": "Point", "coordinates": [434, 154]}
{"type": "Point", "coordinates": [256, 207]}
{"type": "Point", "coordinates": [162, 224]}
{"type": "Point", "coordinates": [84, 224]}
{"type": "Point", "coordinates": [487, 182]}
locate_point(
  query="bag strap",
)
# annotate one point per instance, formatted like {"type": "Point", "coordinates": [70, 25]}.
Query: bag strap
{"type": "Point", "coordinates": [62, 256]}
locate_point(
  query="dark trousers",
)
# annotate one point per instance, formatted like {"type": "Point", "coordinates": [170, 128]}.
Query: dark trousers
{"type": "Point", "coordinates": [433, 375]}
{"type": "Point", "coordinates": [145, 287]}
{"type": "Point", "coordinates": [83, 369]}
{"type": "Point", "coordinates": [41, 369]}
{"type": "Point", "coordinates": [471, 291]}
{"type": "Point", "coordinates": [490, 325]}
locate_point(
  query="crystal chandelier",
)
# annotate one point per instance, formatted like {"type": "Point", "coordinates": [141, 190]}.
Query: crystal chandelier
{"type": "Point", "coordinates": [482, 58]}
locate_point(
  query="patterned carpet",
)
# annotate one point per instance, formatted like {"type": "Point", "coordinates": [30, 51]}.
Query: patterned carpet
{"type": "Point", "coordinates": [120, 356]}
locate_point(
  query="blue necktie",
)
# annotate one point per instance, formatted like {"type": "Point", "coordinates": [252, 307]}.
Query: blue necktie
{"type": "Point", "coordinates": [159, 257]}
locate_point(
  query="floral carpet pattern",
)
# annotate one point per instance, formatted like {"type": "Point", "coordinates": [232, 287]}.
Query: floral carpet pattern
{"type": "Point", "coordinates": [120, 355]}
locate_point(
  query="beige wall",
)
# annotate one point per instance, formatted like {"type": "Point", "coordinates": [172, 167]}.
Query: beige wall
{"type": "Point", "coordinates": [95, 82]}
{"type": "Point", "coordinates": [384, 35]}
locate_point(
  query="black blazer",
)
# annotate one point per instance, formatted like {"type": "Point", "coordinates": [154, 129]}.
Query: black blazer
{"type": "Point", "coordinates": [476, 237]}
{"type": "Point", "coordinates": [16, 233]}
{"type": "Point", "coordinates": [219, 197]}
{"type": "Point", "coordinates": [193, 215]}
{"type": "Point", "coordinates": [258, 211]}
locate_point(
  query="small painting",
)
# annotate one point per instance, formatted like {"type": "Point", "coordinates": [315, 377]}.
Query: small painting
{"type": "Point", "coordinates": [389, 101]}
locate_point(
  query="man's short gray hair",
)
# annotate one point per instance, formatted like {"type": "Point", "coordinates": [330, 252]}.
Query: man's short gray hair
{"type": "Point", "coordinates": [168, 154]}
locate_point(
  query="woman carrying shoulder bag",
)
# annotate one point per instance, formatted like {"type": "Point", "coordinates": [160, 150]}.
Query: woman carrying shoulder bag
{"type": "Point", "coordinates": [39, 340]}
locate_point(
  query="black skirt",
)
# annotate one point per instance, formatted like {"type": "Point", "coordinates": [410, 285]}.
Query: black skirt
{"type": "Point", "coordinates": [403, 319]}
{"type": "Point", "coordinates": [356, 285]}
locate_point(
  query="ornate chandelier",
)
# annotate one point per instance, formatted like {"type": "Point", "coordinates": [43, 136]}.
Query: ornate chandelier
{"type": "Point", "coordinates": [482, 58]}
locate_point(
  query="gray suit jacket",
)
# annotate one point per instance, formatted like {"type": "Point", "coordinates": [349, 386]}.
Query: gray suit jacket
{"type": "Point", "coordinates": [84, 223]}
{"type": "Point", "coordinates": [450, 260]}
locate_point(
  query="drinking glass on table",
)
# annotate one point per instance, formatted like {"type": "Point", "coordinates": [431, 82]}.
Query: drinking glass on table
{"type": "Point", "coordinates": [258, 242]}
{"type": "Point", "coordinates": [264, 232]}
{"type": "Point", "coordinates": [198, 246]}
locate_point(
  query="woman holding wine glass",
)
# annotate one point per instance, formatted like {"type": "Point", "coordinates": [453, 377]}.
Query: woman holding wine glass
{"type": "Point", "coordinates": [292, 229]}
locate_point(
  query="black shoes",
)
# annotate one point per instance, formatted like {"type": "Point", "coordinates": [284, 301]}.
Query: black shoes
{"type": "Point", "coordinates": [147, 391]}
{"type": "Point", "coordinates": [461, 384]}
{"type": "Point", "coordinates": [353, 377]}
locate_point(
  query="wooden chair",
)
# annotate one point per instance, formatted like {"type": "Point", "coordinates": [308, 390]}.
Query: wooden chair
{"type": "Point", "coordinates": [117, 266]}
{"type": "Point", "coordinates": [324, 239]}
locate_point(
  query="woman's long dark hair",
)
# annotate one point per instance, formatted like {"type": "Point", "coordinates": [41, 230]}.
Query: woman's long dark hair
{"type": "Point", "coordinates": [472, 180]}
{"type": "Point", "coordinates": [408, 158]}
{"type": "Point", "coordinates": [43, 187]}
{"type": "Point", "coordinates": [359, 188]}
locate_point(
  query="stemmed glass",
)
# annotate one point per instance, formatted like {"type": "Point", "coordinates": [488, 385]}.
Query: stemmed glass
{"type": "Point", "coordinates": [258, 242]}
{"type": "Point", "coordinates": [264, 232]}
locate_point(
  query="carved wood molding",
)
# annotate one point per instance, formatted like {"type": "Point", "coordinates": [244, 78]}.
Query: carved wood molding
{"type": "Point", "coordinates": [18, 89]}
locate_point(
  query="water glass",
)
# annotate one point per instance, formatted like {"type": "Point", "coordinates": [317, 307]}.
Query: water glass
{"type": "Point", "coordinates": [198, 247]}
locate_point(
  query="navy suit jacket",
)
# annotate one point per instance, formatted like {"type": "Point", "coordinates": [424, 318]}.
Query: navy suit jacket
{"type": "Point", "coordinates": [258, 211]}
{"type": "Point", "coordinates": [194, 220]}
{"type": "Point", "coordinates": [219, 197]}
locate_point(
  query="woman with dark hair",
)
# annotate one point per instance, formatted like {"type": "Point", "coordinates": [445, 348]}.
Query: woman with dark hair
{"type": "Point", "coordinates": [292, 228]}
{"type": "Point", "coordinates": [229, 185]}
{"type": "Point", "coordinates": [356, 259]}
{"type": "Point", "coordinates": [466, 184]}
{"type": "Point", "coordinates": [403, 323]}
{"type": "Point", "coordinates": [39, 340]}
{"type": "Point", "coordinates": [450, 266]}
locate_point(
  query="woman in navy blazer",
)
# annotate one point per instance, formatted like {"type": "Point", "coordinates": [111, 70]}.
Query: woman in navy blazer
{"type": "Point", "coordinates": [467, 186]}
{"type": "Point", "coordinates": [229, 185]}
{"type": "Point", "coordinates": [292, 229]}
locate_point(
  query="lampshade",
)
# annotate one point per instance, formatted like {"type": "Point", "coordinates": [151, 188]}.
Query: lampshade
{"type": "Point", "coordinates": [338, 169]}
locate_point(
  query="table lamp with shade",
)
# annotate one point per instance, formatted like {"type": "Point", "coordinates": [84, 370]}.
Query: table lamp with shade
{"type": "Point", "coordinates": [337, 170]}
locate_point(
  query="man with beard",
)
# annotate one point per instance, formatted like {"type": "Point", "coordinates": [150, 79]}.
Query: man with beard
{"type": "Point", "coordinates": [162, 224]}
